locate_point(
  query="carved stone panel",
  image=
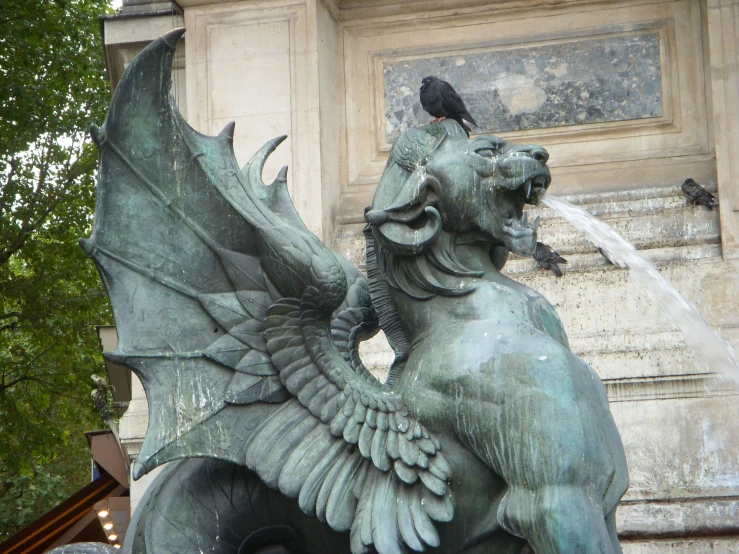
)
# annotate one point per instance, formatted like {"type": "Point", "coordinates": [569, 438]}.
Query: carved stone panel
{"type": "Point", "coordinates": [614, 78]}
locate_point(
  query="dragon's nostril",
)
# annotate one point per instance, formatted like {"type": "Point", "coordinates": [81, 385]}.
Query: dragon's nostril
{"type": "Point", "coordinates": [540, 155]}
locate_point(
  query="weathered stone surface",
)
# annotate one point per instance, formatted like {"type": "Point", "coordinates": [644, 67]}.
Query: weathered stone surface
{"type": "Point", "coordinates": [572, 83]}
{"type": "Point", "coordinates": [694, 546]}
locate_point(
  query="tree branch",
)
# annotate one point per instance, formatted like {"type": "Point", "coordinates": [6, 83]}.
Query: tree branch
{"type": "Point", "coordinates": [6, 386]}
{"type": "Point", "coordinates": [77, 169]}
{"type": "Point", "coordinates": [11, 325]}
{"type": "Point", "coordinates": [9, 315]}
{"type": "Point", "coordinates": [51, 346]}
{"type": "Point", "coordinates": [13, 163]}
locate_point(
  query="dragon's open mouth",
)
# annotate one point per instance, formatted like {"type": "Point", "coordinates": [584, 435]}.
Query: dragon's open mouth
{"type": "Point", "coordinates": [535, 187]}
{"type": "Point", "coordinates": [518, 228]}
{"type": "Point", "coordinates": [515, 221]}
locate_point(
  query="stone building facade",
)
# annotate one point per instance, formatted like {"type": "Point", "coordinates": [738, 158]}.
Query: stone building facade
{"type": "Point", "coordinates": [630, 97]}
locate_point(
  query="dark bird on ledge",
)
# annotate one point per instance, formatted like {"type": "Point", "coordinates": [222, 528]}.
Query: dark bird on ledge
{"type": "Point", "coordinates": [548, 258]}
{"type": "Point", "coordinates": [441, 100]}
{"type": "Point", "coordinates": [698, 195]}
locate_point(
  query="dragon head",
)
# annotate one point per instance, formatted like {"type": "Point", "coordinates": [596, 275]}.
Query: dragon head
{"type": "Point", "coordinates": [437, 179]}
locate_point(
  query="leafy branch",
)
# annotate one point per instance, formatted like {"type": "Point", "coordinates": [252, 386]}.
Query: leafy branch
{"type": "Point", "coordinates": [52, 86]}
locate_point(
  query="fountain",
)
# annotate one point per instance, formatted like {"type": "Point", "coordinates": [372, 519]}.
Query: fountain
{"type": "Point", "coordinates": [713, 353]}
{"type": "Point", "coordinates": [490, 434]}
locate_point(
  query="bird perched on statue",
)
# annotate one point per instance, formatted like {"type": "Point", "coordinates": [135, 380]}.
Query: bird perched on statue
{"type": "Point", "coordinates": [698, 195]}
{"type": "Point", "coordinates": [441, 100]}
{"type": "Point", "coordinates": [548, 258]}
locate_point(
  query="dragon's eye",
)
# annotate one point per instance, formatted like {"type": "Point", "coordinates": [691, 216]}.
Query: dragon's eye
{"type": "Point", "coordinates": [487, 152]}
{"type": "Point", "coordinates": [490, 146]}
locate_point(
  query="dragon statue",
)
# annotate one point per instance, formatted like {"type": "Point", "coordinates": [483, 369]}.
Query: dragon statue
{"type": "Point", "coordinates": [488, 436]}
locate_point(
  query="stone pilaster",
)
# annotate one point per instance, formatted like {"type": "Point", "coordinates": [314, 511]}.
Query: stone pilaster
{"type": "Point", "coordinates": [723, 35]}
{"type": "Point", "coordinates": [271, 66]}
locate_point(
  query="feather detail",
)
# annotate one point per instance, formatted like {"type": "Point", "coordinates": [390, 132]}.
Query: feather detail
{"type": "Point", "coordinates": [312, 486]}
{"type": "Point", "coordinates": [331, 408]}
{"type": "Point", "coordinates": [392, 445]}
{"type": "Point", "coordinates": [434, 484]}
{"type": "Point", "coordinates": [270, 433]}
{"type": "Point", "coordinates": [329, 482]}
{"type": "Point", "coordinates": [303, 459]}
{"type": "Point", "coordinates": [342, 503]}
{"type": "Point", "coordinates": [365, 440]}
{"type": "Point", "coordinates": [408, 451]}
{"type": "Point", "coordinates": [378, 451]}
{"type": "Point", "coordinates": [406, 474]}
{"type": "Point", "coordinates": [421, 521]}
{"type": "Point", "coordinates": [361, 531]}
{"type": "Point", "coordinates": [405, 520]}
{"type": "Point", "coordinates": [351, 431]}
{"type": "Point", "coordinates": [382, 418]}
{"type": "Point", "coordinates": [385, 516]}
{"type": "Point", "coordinates": [439, 467]}
{"type": "Point", "coordinates": [440, 508]}
{"type": "Point", "coordinates": [270, 465]}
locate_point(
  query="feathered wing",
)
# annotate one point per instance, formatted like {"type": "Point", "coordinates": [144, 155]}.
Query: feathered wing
{"type": "Point", "coordinates": [243, 326]}
{"type": "Point", "coordinates": [453, 103]}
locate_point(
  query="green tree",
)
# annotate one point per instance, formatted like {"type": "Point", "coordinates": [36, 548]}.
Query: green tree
{"type": "Point", "coordinates": [52, 86]}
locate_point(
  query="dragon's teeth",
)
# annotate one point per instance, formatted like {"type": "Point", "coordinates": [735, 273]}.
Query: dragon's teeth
{"type": "Point", "coordinates": [537, 221]}
{"type": "Point", "coordinates": [525, 218]}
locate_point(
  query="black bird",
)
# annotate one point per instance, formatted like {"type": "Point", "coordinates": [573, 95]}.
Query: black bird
{"type": "Point", "coordinates": [441, 100]}
{"type": "Point", "coordinates": [547, 258]}
{"type": "Point", "coordinates": [698, 195]}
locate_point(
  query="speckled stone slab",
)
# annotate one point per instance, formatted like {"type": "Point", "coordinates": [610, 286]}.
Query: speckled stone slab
{"type": "Point", "coordinates": [584, 81]}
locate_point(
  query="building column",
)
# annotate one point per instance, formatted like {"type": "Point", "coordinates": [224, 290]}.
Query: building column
{"type": "Point", "coordinates": [723, 23]}
{"type": "Point", "coordinates": [271, 66]}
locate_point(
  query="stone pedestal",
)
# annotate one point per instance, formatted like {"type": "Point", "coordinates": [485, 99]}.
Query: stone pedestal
{"type": "Point", "coordinates": [629, 97]}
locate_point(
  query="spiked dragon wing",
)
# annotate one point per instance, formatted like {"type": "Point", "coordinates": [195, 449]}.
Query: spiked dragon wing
{"type": "Point", "coordinates": [243, 326]}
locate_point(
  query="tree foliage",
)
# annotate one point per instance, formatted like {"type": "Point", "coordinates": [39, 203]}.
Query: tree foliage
{"type": "Point", "coordinates": [52, 86]}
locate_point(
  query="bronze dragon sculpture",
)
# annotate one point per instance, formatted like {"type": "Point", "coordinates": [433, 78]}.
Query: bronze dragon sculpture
{"type": "Point", "coordinates": [489, 434]}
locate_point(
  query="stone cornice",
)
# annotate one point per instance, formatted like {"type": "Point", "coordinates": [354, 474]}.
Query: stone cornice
{"type": "Point", "coordinates": [352, 10]}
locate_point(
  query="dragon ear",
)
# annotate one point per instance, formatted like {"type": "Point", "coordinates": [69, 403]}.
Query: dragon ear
{"type": "Point", "coordinates": [412, 225]}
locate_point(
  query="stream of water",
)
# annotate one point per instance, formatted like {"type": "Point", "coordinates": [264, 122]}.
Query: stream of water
{"type": "Point", "coordinates": [712, 352]}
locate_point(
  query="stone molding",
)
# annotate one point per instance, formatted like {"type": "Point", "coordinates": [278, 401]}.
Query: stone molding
{"type": "Point", "coordinates": [653, 518]}
{"type": "Point", "coordinates": [667, 388]}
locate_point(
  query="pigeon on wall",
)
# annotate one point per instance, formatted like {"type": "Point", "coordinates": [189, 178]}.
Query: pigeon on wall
{"type": "Point", "coordinates": [698, 195]}
{"type": "Point", "coordinates": [441, 100]}
{"type": "Point", "coordinates": [548, 258]}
